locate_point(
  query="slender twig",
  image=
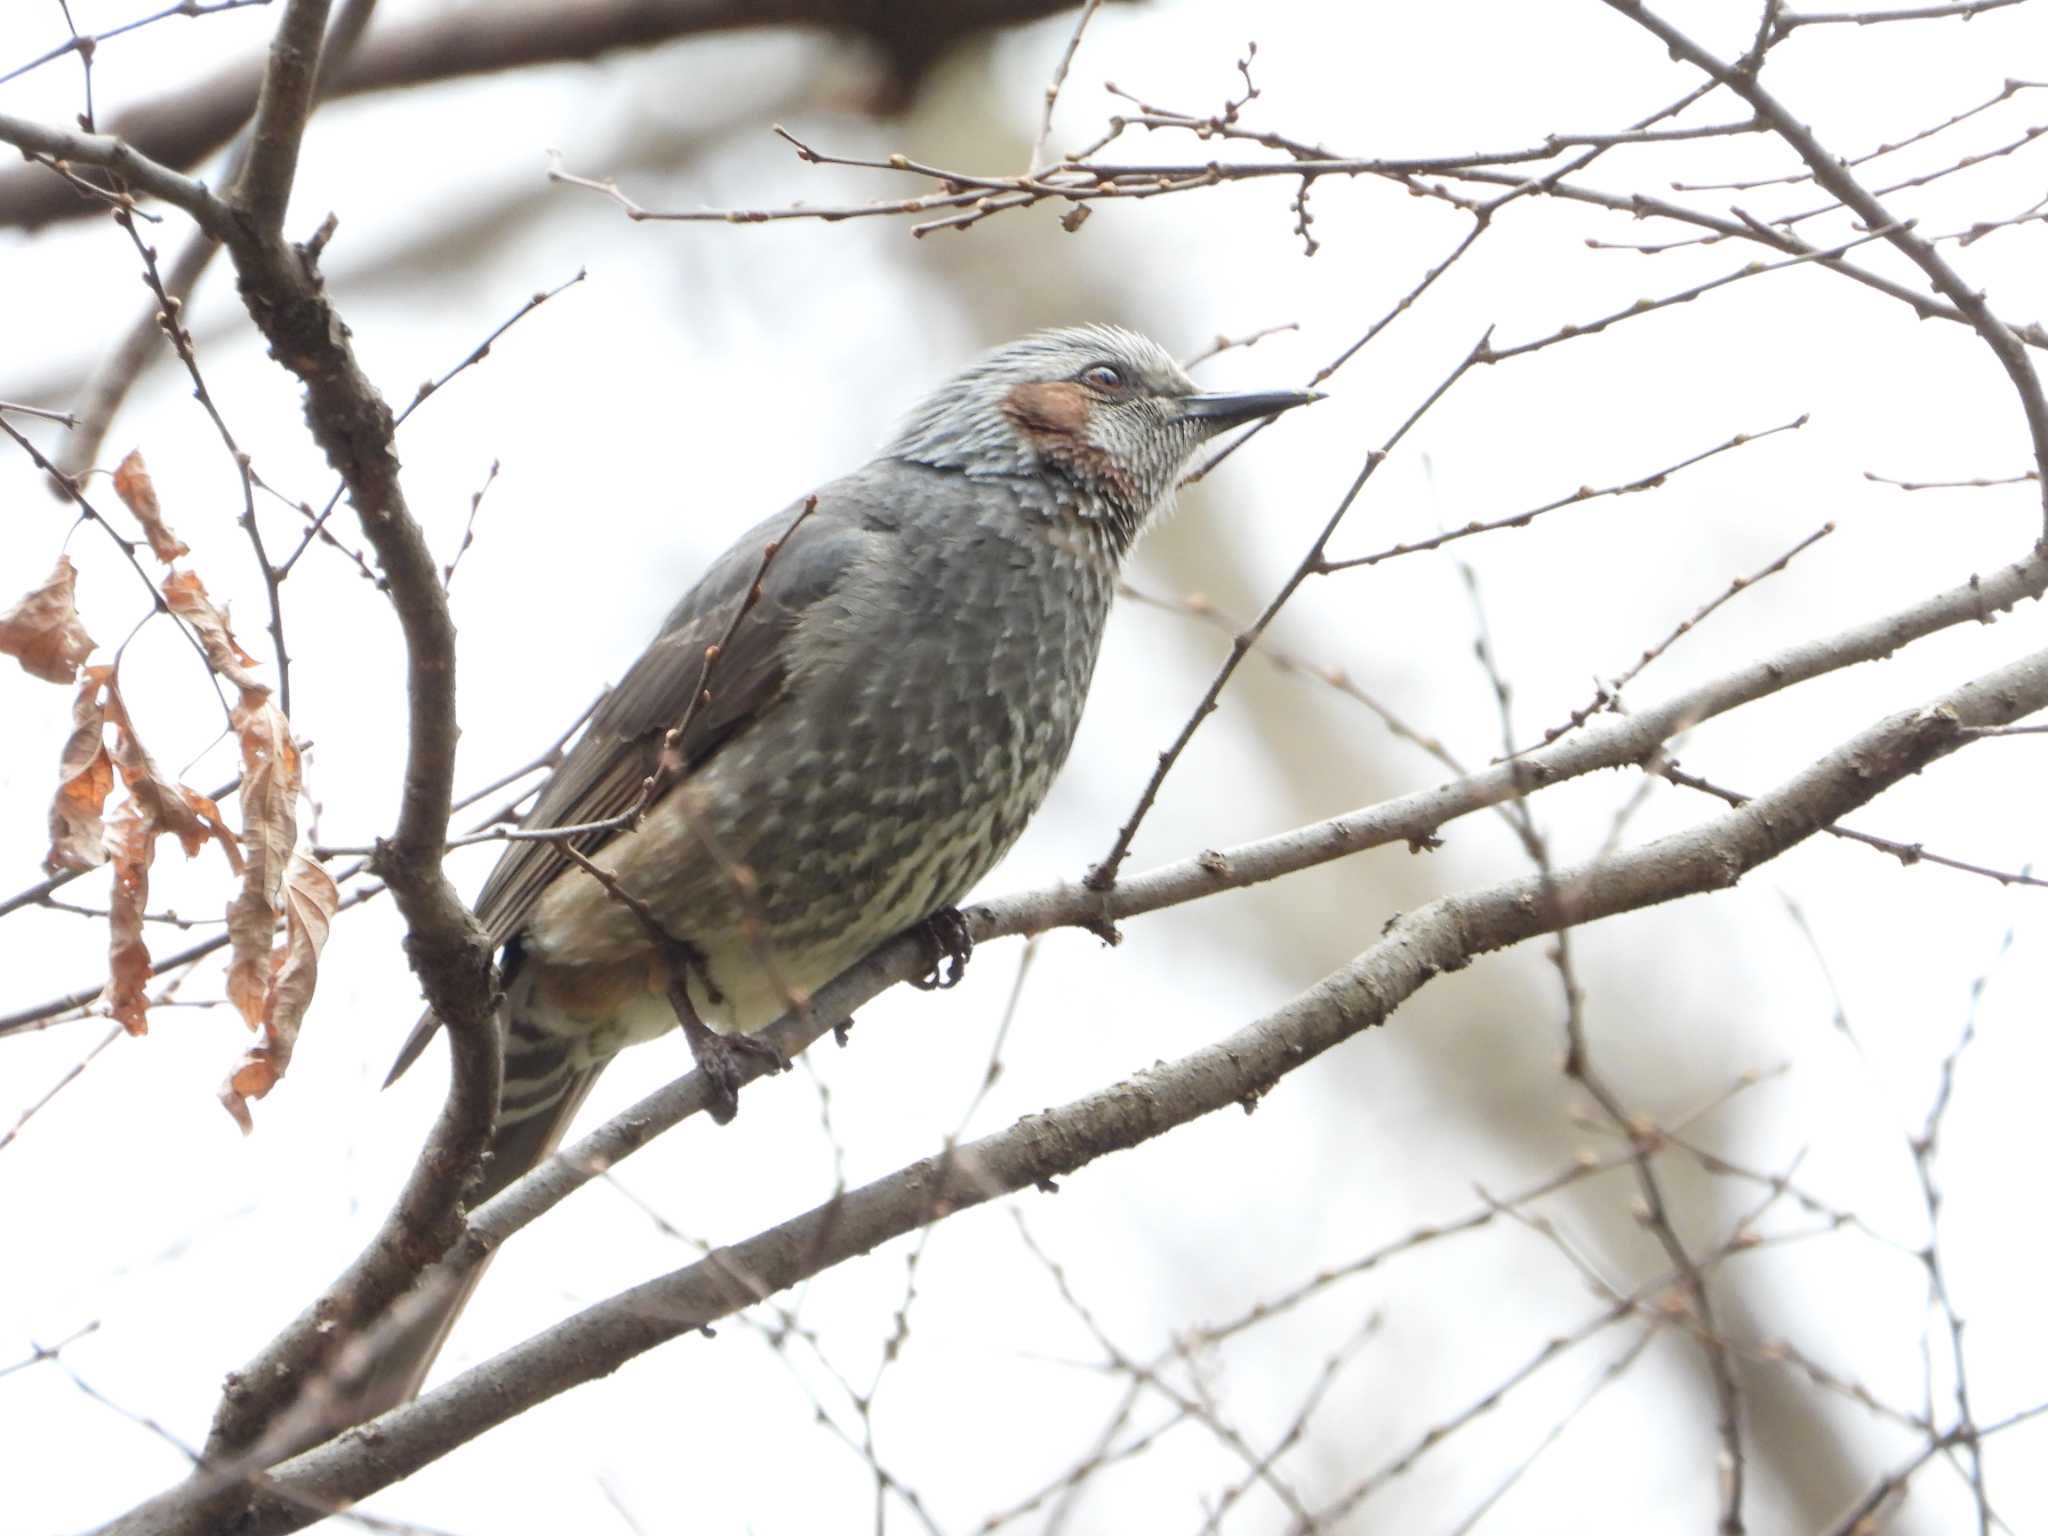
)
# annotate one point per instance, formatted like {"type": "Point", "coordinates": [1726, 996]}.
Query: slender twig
{"type": "Point", "coordinates": [1103, 875]}
{"type": "Point", "coordinates": [1259, 1468]}
{"type": "Point", "coordinates": [1198, 607]}
{"type": "Point", "coordinates": [118, 369]}
{"type": "Point", "coordinates": [1059, 79]}
{"type": "Point", "coordinates": [1650, 482]}
{"type": "Point", "coordinates": [1608, 1374]}
{"type": "Point", "coordinates": [1401, 306]}
{"type": "Point", "coordinates": [87, 42]}
{"type": "Point", "coordinates": [1925, 178]}
{"type": "Point", "coordinates": [1643, 205]}
{"type": "Point", "coordinates": [1840, 182]}
{"type": "Point", "coordinates": [964, 199]}
{"type": "Point", "coordinates": [63, 418]}
{"type": "Point", "coordinates": [1890, 146]}
{"type": "Point", "coordinates": [476, 501]}
{"type": "Point", "coordinates": [1956, 9]}
{"type": "Point", "coordinates": [1906, 853]}
{"type": "Point", "coordinates": [1925, 1148]}
{"type": "Point", "coordinates": [314, 1508]}
{"type": "Point", "coordinates": [1224, 343]}
{"type": "Point", "coordinates": [1482, 215]}
{"type": "Point", "coordinates": [1608, 695]}
{"type": "Point", "coordinates": [170, 321]}
{"type": "Point", "coordinates": [317, 525]}
{"type": "Point", "coordinates": [41, 1353]}
{"type": "Point", "coordinates": [2028, 478]}
{"type": "Point", "coordinates": [76, 1069]}
{"type": "Point", "coordinates": [89, 513]}
{"type": "Point", "coordinates": [1573, 331]}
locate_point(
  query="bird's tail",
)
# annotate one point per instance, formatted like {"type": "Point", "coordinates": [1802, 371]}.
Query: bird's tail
{"type": "Point", "coordinates": [543, 1089]}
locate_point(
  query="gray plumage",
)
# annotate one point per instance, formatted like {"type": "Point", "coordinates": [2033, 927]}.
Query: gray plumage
{"type": "Point", "coordinates": [881, 725]}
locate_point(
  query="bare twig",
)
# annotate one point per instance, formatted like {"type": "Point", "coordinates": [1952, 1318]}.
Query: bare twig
{"type": "Point", "coordinates": [86, 43]}
{"type": "Point", "coordinates": [317, 523]}
{"type": "Point", "coordinates": [170, 321]}
{"type": "Point", "coordinates": [1906, 853]}
{"type": "Point", "coordinates": [1892, 146]}
{"type": "Point", "coordinates": [1224, 344]}
{"type": "Point", "coordinates": [476, 501]}
{"type": "Point", "coordinates": [1609, 694]}
{"type": "Point", "coordinates": [63, 418]}
{"type": "Point", "coordinates": [1649, 482]}
{"type": "Point", "coordinates": [1610, 1373]}
{"type": "Point", "coordinates": [118, 369]}
{"type": "Point", "coordinates": [1059, 79]}
{"type": "Point", "coordinates": [1955, 10]}
{"type": "Point", "coordinates": [1103, 875]}
{"type": "Point", "coordinates": [70, 1076]}
{"type": "Point", "coordinates": [1197, 606]}
{"type": "Point", "coordinates": [1952, 485]}
{"type": "Point", "coordinates": [1840, 182]}
{"type": "Point", "coordinates": [89, 513]}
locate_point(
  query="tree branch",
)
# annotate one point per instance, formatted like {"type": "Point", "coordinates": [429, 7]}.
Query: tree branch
{"type": "Point", "coordinates": [1445, 935]}
{"type": "Point", "coordinates": [181, 130]}
{"type": "Point", "coordinates": [1839, 181]}
{"type": "Point", "coordinates": [113, 153]}
{"type": "Point", "coordinates": [1414, 818]}
{"type": "Point", "coordinates": [282, 107]}
{"type": "Point", "coordinates": [352, 424]}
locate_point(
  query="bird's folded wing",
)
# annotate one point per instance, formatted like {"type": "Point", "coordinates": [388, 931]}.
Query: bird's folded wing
{"type": "Point", "coordinates": [602, 774]}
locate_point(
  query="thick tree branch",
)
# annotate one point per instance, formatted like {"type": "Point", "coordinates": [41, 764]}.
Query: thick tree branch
{"type": "Point", "coordinates": [353, 426]}
{"type": "Point", "coordinates": [1445, 935]}
{"type": "Point", "coordinates": [112, 152]}
{"type": "Point", "coordinates": [282, 107]}
{"type": "Point", "coordinates": [1615, 742]}
{"type": "Point", "coordinates": [102, 393]}
{"type": "Point", "coordinates": [182, 129]}
{"type": "Point", "coordinates": [1414, 818]}
{"type": "Point", "coordinates": [349, 419]}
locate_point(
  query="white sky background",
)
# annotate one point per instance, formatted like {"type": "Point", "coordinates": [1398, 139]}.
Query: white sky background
{"type": "Point", "coordinates": [705, 374]}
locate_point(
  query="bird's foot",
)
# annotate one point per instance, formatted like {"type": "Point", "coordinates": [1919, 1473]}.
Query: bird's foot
{"type": "Point", "coordinates": [946, 932]}
{"type": "Point", "coordinates": [727, 1061]}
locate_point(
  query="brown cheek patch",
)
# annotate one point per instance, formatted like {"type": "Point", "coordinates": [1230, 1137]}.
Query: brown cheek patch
{"type": "Point", "coordinates": [1055, 410]}
{"type": "Point", "coordinates": [1053, 418]}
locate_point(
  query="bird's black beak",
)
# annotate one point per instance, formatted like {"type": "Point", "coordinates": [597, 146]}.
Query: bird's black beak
{"type": "Point", "coordinates": [1220, 411]}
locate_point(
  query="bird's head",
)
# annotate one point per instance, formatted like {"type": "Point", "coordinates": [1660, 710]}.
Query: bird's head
{"type": "Point", "coordinates": [1103, 412]}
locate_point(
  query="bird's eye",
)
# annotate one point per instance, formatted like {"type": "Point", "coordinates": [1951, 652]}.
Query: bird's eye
{"type": "Point", "coordinates": [1106, 377]}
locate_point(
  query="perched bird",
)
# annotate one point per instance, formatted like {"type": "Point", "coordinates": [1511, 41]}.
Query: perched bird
{"type": "Point", "coordinates": [879, 707]}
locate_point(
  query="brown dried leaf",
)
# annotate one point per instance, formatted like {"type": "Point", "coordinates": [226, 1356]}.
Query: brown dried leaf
{"type": "Point", "coordinates": [131, 844]}
{"type": "Point", "coordinates": [310, 902]}
{"type": "Point", "coordinates": [170, 807]}
{"type": "Point", "coordinates": [270, 828]}
{"type": "Point", "coordinates": [186, 594]}
{"type": "Point", "coordinates": [208, 814]}
{"type": "Point", "coordinates": [85, 777]}
{"type": "Point", "coordinates": [132, 485]}
{"type": "Point", "coordinates": [43, 631]}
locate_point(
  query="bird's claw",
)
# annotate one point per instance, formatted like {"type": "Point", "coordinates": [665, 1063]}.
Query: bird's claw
{"type": "Point", "coordinates": [951, 943]}
{"type": "Point", "coordinates": [723, 1059]}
